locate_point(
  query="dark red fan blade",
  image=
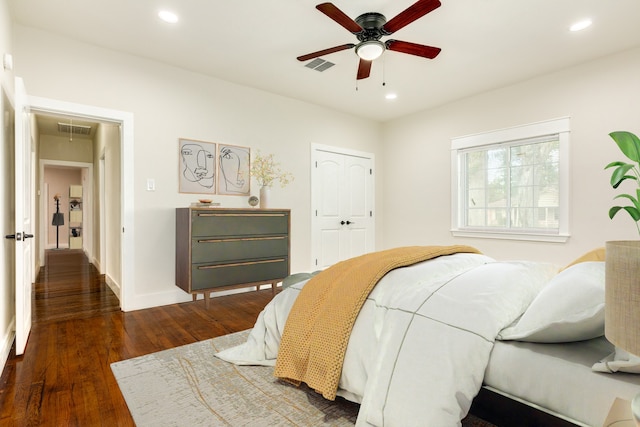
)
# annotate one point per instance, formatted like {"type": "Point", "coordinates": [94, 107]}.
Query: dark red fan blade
{"type": "Point", "coordinates": [364, 69]}
{"type": "Point", "coordinates": [410, 14]}
{"type": "Point", "coordinates": [325, 52]}
{"type": "Point", "coordinates": [340, 17]}
{"type": "Point", "coordinates": [413, 48]}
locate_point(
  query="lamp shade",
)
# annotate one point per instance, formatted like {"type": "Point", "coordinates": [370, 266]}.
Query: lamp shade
{"type": "Point", "coordinates": [622, 294]}
{"type": "Point", "coordinates": [58, 219]}
{"type": "Point", "coordinates": [370, 50]}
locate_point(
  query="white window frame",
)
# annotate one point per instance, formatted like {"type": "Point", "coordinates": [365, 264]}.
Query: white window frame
{"type": "Point", "coordinates": [561, 127]}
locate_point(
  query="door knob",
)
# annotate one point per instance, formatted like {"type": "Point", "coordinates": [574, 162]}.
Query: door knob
{"type": "Point", "coordinates": [342, 223]}
{"type": "Point", "coordinates": [10, 236]}
{"type": "Point", "coordinates": [27, 236]}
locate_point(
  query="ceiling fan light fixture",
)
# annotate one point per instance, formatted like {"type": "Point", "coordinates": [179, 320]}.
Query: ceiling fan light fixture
{"type": "Point", "coordinates": [370, 50]}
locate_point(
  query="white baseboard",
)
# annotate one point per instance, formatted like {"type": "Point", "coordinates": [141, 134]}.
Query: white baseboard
{"type": "Point", "coordinates": [96, 264]}
{"type": "Point", "coordinates": [115, 287]}
{"type": "Point", "coordinates": [7, 341]}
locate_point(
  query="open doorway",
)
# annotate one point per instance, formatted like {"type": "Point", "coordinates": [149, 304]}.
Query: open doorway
{"type": "Point", "coordinates": [66, 206]}
{"type": "Point", "coordinates": [79, 179]}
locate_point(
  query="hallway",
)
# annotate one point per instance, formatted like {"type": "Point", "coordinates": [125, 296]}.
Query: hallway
{"type": "Point", "coordinates": [69, 287]}
{"type": "Point", "coordinates": [64, 378]}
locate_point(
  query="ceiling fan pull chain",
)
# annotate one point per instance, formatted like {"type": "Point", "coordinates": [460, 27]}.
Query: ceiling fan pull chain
{"type": "Point", "coordinates": [384, 73]}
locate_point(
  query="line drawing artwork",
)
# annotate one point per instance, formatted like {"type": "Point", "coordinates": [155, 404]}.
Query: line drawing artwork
{"type": "Point", "coordinates": [233, 164]}
{"type": "Point", "coordinates": [197, 167]}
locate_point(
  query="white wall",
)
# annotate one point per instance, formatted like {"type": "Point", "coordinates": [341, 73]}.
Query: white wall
{"type": "Point", "coordinates": [600, 97]}
{"type": "Point", "coordinates": [7, 295]}
{"type": "Point", "coordinates": [169, 103]}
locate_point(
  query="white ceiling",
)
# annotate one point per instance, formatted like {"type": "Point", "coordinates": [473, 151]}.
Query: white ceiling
{"type": "Point", "coordinates": [485, 43]}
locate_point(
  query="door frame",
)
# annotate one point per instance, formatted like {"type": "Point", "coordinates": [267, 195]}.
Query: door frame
{"type": "Point", "coordinates": [341, 151]}
{"type": "Point", "coordinates": [125, 120]}
{"type": "Point", "coordinates": [87, 206]}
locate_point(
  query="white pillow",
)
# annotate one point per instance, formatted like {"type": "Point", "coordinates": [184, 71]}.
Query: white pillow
{"type": "Point", "coordinates": [569, 308]}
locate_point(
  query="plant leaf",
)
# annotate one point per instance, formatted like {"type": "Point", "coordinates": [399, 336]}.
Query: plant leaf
{"type": "Point", "coordinates": [613, 211]}
{"type": "Point", "coordinates": [628, 143]}
{"type": "Point", "coordinates": [635, 213]}
{"type": "Point", "coordinates": [612, 164]}
{"type": "Point", "coordinates": [627, 196]}
{"type": "Point", "coordinates": [620, 174]}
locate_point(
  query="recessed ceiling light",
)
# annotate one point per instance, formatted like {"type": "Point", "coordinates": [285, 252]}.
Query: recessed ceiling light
{"type": "Point", "coordinates": [391, 96]}
{"type": "Point", "coordinates": [578, 26]}
{"type": "Point", "coordinates": [168, 16]}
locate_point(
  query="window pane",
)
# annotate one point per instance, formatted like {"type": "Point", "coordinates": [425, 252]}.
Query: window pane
{"type": "Point", "coordinates": [497, 217]}
{"type": "Point", "coordinates": [475, 218]}
{"type": "Point", "coordinates": [476, 198]}
{"type": "Point", "coordinates": [513, 186]}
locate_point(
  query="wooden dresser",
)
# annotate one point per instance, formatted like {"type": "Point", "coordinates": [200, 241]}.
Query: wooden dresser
{"type": "Point", "coordinates": [220, 248]}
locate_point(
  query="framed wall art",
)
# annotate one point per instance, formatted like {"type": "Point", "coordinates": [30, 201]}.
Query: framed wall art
{"type": "Point", "coordinates": [233, 170]}
{"type": "Point", "coordinates": [197, 163]}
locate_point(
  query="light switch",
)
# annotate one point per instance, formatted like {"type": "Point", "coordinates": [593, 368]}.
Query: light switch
{"type": "Point", "coordinates": [151, 184]}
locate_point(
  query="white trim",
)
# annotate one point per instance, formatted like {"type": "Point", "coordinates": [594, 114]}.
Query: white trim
{"type": "Point", "coordinates": [125, 119]}
{"type": "Point", "coordinates": [547, 127]}
{"type": "Point", "coordinates": [561, 127]}
{"type": "Point", "coordinates": [113, 285]}
{"type": "Point", "coordinates": [339, 150]}
{"type": "Point", "coordinates": [532, 237]}
{"type": "Point", "coordinates": [7, 343]}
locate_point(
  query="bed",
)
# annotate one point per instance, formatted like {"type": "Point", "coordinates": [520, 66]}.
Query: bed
{"type": "Point", "coordinates": [431, 335]}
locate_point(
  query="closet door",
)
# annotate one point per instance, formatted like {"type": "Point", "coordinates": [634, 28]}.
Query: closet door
{"type": "Point", "coordinates": [342, 206]}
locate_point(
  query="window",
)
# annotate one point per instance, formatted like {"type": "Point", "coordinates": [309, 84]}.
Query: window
{"type": "Point", "coordinates": [512, 183]}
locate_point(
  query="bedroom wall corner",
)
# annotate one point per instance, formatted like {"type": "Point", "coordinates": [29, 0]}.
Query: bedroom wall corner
{"type": "Point", "coordinates": [599, 96]}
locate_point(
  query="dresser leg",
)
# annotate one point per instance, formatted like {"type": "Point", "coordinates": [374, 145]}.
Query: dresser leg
{"type": "Point", "coordinates": [207, 297]}
{"type": "Point", "coordinates": [273, 288]}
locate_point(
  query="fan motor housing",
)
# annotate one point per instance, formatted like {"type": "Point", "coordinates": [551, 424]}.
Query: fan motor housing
{"type": "Point", "coordinates": [371, 23]}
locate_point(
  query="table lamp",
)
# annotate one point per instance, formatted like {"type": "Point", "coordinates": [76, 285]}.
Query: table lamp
{"type": "Point", "coordinates": [622, 303]}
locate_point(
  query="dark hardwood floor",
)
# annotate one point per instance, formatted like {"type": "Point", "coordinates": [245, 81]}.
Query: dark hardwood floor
{"type": "Point", "coordinates": [64, 378]}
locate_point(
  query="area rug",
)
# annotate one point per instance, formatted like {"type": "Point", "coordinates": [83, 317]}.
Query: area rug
{"type": "Point", "coordinates": [189, 386]}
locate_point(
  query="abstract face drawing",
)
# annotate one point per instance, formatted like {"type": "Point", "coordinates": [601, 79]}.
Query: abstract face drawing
{"type": "Point", "coordinates": [198, 165]}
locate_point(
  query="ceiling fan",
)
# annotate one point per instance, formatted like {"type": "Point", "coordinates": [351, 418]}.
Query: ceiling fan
{"type": "Point", "coordinates": [370, 27]}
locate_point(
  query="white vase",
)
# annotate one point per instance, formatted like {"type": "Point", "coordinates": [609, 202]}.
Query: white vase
{"type": "Point", "coordinates": [265, 192]}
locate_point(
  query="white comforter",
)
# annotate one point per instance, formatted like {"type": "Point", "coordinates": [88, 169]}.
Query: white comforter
{"type": "Point", "coordinates": [421, 343]}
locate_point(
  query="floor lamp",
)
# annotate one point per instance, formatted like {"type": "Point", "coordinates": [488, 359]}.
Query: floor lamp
{"type": "Point", "coordinates": [58, 220]}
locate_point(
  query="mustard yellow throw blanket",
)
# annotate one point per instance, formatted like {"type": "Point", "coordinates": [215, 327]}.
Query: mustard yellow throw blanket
{"type": "Point", "coordinates": [317, 331]}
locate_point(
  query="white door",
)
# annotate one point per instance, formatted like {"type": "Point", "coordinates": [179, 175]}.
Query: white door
{"type": "Point", "coordinates": [342, 206]}
{"type": "Point", "coordinates": [23, 222]}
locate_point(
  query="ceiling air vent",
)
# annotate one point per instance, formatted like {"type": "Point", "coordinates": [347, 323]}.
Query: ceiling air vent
{"type": "Point", "coordinates": [319, 64]}
{"type": "Point", "coordinates": [74, 129]}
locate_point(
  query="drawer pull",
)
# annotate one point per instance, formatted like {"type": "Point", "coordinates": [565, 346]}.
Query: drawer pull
{"type": "Point", "coordinates": [240, 239]}
{"type": "Point", "coordinates": [238, 215]}
{"type": "Point", "coordinates": [237, 264]}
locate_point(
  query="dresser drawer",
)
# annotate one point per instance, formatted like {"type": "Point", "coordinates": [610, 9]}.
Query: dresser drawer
{"type": "Point", "coordinates": [223, 250]}
{"type": "Point", "coordinates": [222, 224]}
{"type": "Point", "coordinates": [206, 276]}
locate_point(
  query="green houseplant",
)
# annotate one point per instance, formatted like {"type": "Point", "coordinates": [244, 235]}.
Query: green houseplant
{"type": "Point", "coordinates": [629, 144]}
